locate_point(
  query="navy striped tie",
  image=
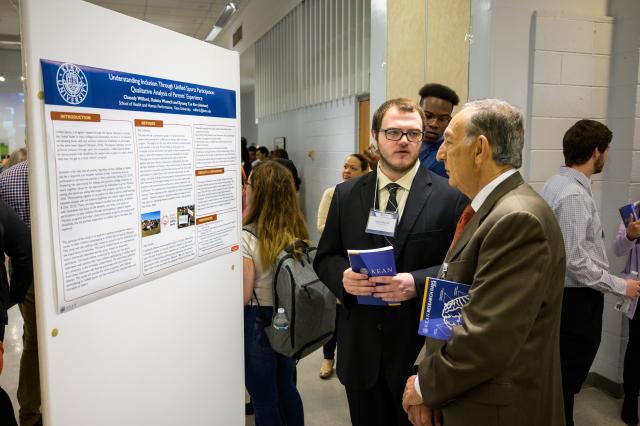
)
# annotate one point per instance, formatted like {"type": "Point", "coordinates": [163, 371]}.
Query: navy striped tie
{"type": "Point", "coordinates": [392, 203]}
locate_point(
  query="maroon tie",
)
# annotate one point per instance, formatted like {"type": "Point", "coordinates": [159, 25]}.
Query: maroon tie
{"type": "Point", "coordinates": [466, 216]}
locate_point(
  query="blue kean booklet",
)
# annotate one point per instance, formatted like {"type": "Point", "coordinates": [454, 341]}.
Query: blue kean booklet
{"type": "Point", "coordinates": [630, 210]}
{"type": "Point", "coordinates": [442, 308]}
{"type": "Point", "coordinates": [374, 263]}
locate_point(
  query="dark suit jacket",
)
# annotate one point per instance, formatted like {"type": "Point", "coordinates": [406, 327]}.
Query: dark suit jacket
{"type": "Point", "coordinates": [371, 337]}
{"type": "Point", "coordinates": [502, 367]}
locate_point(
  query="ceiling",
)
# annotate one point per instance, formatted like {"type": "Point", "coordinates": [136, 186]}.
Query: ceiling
{"type": "Point", "coordinates": [191, 17]}
{"type": "Point", "coordinates": [194, 18]}
{"type": "Point", "coordinates": [9, 21]}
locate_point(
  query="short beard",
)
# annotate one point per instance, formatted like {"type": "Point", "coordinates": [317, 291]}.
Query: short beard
{"type": "Point", "coordinates": [389, 166]}
{"type": "Point", "coordinates": [598, 166]}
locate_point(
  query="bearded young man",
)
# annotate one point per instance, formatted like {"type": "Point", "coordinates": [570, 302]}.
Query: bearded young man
{"type": "Point", "coordinates": [586, 148]}
{"type": "Point", "coordinates": [379, 344]}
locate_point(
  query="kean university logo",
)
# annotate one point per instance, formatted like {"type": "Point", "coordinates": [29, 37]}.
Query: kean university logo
{"type": "Point", "coordinates": [72, 84]}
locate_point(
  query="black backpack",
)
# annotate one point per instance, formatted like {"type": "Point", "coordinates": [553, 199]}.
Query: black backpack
{"type": "Point", "coordinates": [308, 303]}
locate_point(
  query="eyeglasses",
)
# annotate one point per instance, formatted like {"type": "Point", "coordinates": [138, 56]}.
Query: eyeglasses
{"type": "Point", "coordinates": [413, 135]}
{"type": "Point", "coordinates": [442, 119]}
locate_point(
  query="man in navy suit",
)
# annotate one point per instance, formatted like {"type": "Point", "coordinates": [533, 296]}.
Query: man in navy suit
{"type": "Point", "coordinates": [379, 344]}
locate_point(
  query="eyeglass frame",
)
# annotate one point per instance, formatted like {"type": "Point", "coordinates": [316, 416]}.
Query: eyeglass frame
{"type": "Point", "coordinates": [403, 134]}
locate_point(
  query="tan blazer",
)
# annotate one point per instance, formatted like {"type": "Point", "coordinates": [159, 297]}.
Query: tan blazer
{"type": "Point", "coordinates": [502, 367]}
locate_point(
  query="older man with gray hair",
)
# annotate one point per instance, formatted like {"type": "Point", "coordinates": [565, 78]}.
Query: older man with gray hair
{"type": "Point", "coordinates": [501, 366]}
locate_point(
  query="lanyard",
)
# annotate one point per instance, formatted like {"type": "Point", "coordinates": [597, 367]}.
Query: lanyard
{"type": "Point", "coordinates": [382, 222]}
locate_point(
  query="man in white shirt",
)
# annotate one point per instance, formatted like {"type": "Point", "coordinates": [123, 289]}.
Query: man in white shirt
{"type": "Point", "coordinates": [503, 361]}
{"type": "Point", "coordinates": [585, 147]}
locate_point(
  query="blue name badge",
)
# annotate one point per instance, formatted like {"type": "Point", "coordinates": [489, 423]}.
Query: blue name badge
{"type": "Point", "coordinates": [382, 223]}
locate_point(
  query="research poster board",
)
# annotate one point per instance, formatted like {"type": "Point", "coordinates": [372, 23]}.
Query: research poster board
{"type": "Point", "coordinates": [133, 138]}
{"type": "Point", "coordinates": [145, 177]}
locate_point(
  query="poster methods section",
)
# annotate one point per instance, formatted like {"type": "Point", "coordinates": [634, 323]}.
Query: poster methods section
{"type": "Point", "coordinates": [144, 177]}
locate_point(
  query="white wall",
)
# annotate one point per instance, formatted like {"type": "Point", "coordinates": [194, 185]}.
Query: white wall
{"type": "Point", "coordinates": [12, 118]}
{"type": "Point", "coordinates": [622, 175]}
{"type": "Point", "coordinates": [509, 23]}
{"type": "Point", "coordinates": [249, 129]}
{"type": "Point", "coordinates": [569, 60]}
{"type": "Point", "coordinates": [634, 186]}
{"type": "Point", "coordinates": [330, 130]}
{"type": "Point", "coordinates": [316, 54]}
{"type": "Point", "coordinates": [11, 68]}
{"type": "Point", "coordinates": [499, 58]}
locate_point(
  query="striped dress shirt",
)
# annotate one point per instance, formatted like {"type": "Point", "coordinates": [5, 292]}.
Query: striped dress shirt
{"type": "Point", "coordinates": [569, 195]}
{"type": "Point", "coordinates": [14, 190]}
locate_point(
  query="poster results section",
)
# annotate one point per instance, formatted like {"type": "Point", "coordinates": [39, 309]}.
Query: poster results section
{"type": "Point", "coordinates": [166, 194]}
{"type": "Point", "coordinates": [144, 177]}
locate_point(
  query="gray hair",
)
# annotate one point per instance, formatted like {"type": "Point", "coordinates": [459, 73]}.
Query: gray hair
{"type": "Point", "coordinates": [17, 156]}
{"type": "Point", "coordinates": [502, 124]}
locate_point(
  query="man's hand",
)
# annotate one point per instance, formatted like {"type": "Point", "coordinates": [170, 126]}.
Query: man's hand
{"type": "Point", "coordinates": [1, 357]}
{"type": "Point", "coordinates": [394, 289]}
{"type": "Point", "coordinates": [421, 415]}
{"type": "Point", "coordinates": [633, 229]}
{"type": "Point", "coordinates": [357, 284]}
{"type": "Point", "coordinates": [633, 288]}
{"type": "Point", "coordinates": [410, 396]}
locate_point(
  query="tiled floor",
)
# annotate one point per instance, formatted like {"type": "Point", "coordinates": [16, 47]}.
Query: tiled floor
{"type": "Point", "coordinates": [324, 401]}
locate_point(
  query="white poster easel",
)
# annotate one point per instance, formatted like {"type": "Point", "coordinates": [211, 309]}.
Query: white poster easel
{"type": "Point", "coordinates": [157, 343]}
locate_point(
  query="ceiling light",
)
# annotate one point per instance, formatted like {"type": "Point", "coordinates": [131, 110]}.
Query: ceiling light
{"type": "Point", "coordinates": [213, 33]}
{"type": "Point", "coordinates": [2, 78]}
{"type": "Point", "coordinates": [229, 10]}
{"type": "Point", "coordinates": [22, 78]}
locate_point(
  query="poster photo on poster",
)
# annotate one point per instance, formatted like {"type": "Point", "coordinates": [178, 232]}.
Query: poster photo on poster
{"type": "Point", "coordinates": [144, 177]}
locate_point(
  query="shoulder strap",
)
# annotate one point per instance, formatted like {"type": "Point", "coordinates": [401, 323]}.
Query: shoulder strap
{"type": "Point", "coordinates": [276, 272]}
{"type": "Point", "coordinates": [255, 296]}
{"type": "Point", "coordinates": [250, 228]}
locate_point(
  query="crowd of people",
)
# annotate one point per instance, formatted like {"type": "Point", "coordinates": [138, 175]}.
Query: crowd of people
{"type": "Point", "coordinates": [449, 189]}
{"type": "Point", "coordinates": [444, 191]}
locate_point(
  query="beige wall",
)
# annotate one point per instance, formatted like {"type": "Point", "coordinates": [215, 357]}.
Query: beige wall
{"type": "Point", "coordinates": [426, 43]}
{"type": "Point", "coordinates": [406, 48]}
{"type": "Point", "coordinates": [447, 49]}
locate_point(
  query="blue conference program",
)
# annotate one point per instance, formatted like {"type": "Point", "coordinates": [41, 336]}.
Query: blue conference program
{"type": "Point", "coordinates": [442, 308]}
{"type": "Point", "coordinates": [374, 263]}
